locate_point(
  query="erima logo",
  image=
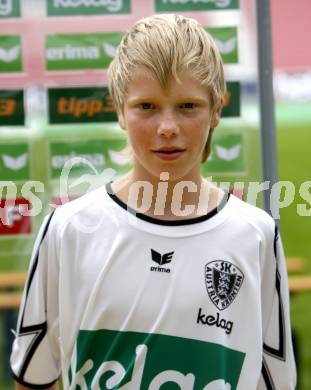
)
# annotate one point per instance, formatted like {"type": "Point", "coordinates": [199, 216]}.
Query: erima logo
{"type": "Point", "coordinates": [109, 50]}
{"type": "Point", "coordinates": [161, 260]}
{"type": "Point", "coordinates": [96, 159]}
{"type": "Point", "coordinates": [15, 163]}
{"type": "Point", "coordinates": [9, 55]}
{"type": "Point", "coordinates": [69, 52]}
{"type": "Point", "coordinates": [226, 47]}
{"type": "Point", "coordinates": [6, 7]}
{"type": "Point", "coordinates": [228, 154]}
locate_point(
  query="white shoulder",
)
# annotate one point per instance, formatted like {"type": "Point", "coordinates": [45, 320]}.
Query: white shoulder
{"type": "Point", "coordinates": [256, 217]}
{"type": "Point", "coordinates": [84, 210]}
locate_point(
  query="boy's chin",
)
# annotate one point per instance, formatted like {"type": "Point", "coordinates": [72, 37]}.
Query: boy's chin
{"type": "Point", "coordinates": [171, 174]}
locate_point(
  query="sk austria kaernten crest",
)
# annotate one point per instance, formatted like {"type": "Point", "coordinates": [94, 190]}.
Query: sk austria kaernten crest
{"type": "Point", "coordinates": [223, 281]}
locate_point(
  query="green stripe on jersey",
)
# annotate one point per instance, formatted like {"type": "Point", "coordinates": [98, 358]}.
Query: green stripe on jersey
{"type": "Point", "coordinates": [109, 359]}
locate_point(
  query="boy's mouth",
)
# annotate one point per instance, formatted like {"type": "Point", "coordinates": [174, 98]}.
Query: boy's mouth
{"type": "Point", "coordinates": [169, 153]}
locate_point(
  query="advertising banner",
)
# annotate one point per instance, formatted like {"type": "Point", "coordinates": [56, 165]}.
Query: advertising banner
{"type": "Point", "coordinates": [227, 154]}
{"type": "Point", "coordinates": [195, 5]}
{"type": "Point", "coordinates": [92, 157]}
{"type": "Point", "coordinates": [9, 9]}
{"type": "Point", "coordinates": [87, 7]}
{"type": "Point", "coordinates": [232, 100]}
{"type": "Point", "coordinates": [13, 216]}
{"type": "Point", "coordinates": [80, 51]}
{"type": "Point", "coordinates": [80, 105]}
{"type": "Point", "coordinates": [10, 53]}
{"type": "Point", "coordinates": [90, 105]}
{"type": "Point", "coordinates": [226, 38]}
{"type": "Point", "coordinates": [14, 162]}
{"type": "Point", "coordinates": [12, 108]}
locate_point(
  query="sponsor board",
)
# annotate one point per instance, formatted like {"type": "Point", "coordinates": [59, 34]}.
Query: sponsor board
{"type": "Point", "coordinates": [13, 218]}
{"type": "Point", "coordinates": [227, 154]}
{"type": "Point", "coordinates": [92, 157]}
{"type": "Point", "coordinates": [232, 105]}
{"type": "Point", "coordinates": [226, 39]}
{"type": "Point", "coordinates": [135, 360]}
{"type": "Point", "coordinates": [9, 9]}
{"type": "Point", "coordinates": [80, 105]}
{"type": "Point", "coordinates": [195, 5]}
{"type": "Point", "coordinates": [80, 51]}
{"type": "Point", "coordinates": [87, 7]}
{"type": "Point", "coordinates": [12, 108]}
{"type": "Point", "coordinates": [10, 53]}
{"type": "Point", "coordinates": [14, 162]}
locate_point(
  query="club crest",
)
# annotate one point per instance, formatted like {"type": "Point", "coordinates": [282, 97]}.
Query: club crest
{"type": "Point", "coordinates": [223, 281]}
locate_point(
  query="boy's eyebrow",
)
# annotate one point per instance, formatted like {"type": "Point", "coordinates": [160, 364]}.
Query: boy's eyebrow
{"type": "Point", "coordinates": [198, 99]}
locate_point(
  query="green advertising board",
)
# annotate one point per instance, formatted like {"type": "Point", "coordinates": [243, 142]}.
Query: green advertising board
{"type": "Point", "coordinates": [10, 9]}
{"type": "Point", "coordinates": [91, 105]}
{"type": "Point", "coordinates": [88, 157]}
{"type": "Point", "coordinates": [226, 39]}
{"type": "Point", "coordinates": [12, 108]}
{"type": "Point", "coordinates": [195, 5]}
{"type": "Point", "coordinates": [227, 156]}
{"type": "Point", "coordinates": [232, 106]}
{"type": "Point", "coordinates": [87, 7]}
{"type": "Point", "coordinates": [14, 162]}
{"type": "Point", "coordinates": [10, 53]}
{"type": "Point", "coordinates": [80, 51]}
{"type": "Point", "coordinates": [80, 105]}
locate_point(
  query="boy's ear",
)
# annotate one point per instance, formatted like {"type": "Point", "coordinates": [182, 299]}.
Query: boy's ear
{"type": "Point", "coordinates": [121, 120]}
{"type": "Point", "coordinates": [216, 116]}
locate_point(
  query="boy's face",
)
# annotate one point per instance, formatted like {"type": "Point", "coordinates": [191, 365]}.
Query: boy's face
{"type": "Point", "coordinates": [177, 118]}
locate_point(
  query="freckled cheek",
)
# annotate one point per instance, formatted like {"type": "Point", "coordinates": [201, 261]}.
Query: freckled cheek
{"type": "Point", "coordinates": [138, 127]}
{"type": "Point", "coordinates": [139, 135]}
{"type": "Point", "coordinates": [197, 130]}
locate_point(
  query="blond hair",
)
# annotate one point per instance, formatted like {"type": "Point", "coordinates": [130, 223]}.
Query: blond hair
{"type": "Point", "coordinates": [167, 45]}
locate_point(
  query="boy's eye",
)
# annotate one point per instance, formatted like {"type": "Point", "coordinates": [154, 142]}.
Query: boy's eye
{"type": "Point", "coordinates": [187, 105]}
{"type": "Point", "coordinates": [146, 106]}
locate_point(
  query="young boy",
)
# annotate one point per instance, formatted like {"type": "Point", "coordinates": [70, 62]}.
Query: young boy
{"type": "Point", "coordinates": [158, 280]}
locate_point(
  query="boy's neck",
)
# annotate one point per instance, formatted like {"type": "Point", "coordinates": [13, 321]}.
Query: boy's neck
{"type": "Point", "coordinates": [168, 200]}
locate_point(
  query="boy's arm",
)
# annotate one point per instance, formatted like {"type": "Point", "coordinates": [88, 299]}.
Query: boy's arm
{"type": "Point", "coordinates": [18, 386]}
{"type": "Point", "coordinates": [35, 357]}
{"type": "Point", "coordinates": [278, 365]}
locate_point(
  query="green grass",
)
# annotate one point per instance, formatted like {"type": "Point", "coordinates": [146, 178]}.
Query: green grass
{"type": "Point", "coordinates": [294, 165]}
{"type": "Point", "coordinates": [294, 141]}
{"type": "Point", "coordinates": [301, 324]}
{"type": "Point", "coordinates": [5, 382]}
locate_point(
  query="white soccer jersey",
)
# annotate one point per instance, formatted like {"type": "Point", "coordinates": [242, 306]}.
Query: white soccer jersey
{"type": "Point", "coordinates": [121, 301]}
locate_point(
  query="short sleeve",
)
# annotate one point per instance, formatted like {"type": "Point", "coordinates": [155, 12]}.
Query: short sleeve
{"type": "Point", "coordinates": [278, 365]}
{"type": "Point", "coordinates": [35, 358]}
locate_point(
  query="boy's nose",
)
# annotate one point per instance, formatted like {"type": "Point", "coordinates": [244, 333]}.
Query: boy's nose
{"type": "Point", "coordinates": [168, 126]}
